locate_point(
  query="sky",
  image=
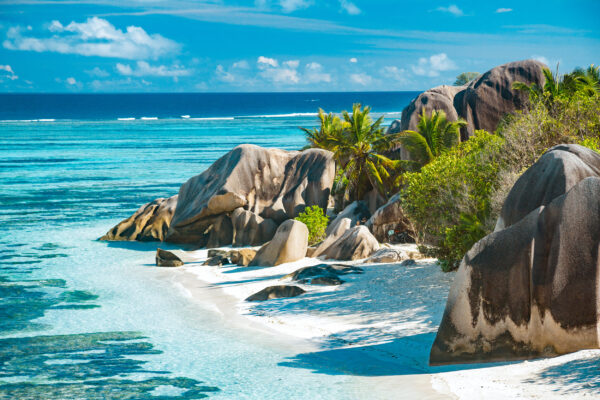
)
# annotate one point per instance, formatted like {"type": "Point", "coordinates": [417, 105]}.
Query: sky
{"type": "Point", "coordinates": [281, 45]}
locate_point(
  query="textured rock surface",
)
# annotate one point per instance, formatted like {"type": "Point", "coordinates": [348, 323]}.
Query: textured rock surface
{"type": "Point", "coordinates": [355, 244]}
{"type": "Point", "coordinates": [242, 257]}
{"type": "Point", "coordinates": [341, 226]}
{"type": "Point", "coordinates": [271, 183]}
{"type": "Point", "coordinates": [166, 258]}
{"type": "Point", "coordinates": [150, 222]}
{"type": "Point", "coordinates": [389, 217]}
{"type": "Point", "coordinates": [482, 103]}
{"type": "Point", "coordinates": [557, 171]}
{"type": "Point", "coordinates": [250, 229]}
{"type": "Point", "coordinates": [276, 292]}
{"type": "Point", "coordinates": [387, 255]}
{"type": "Point", "coordinates": [288, 245]}
{"type": "Point", "coordinates": [531, 289]}
{"type": "Point", "coordinates": [308, 274]}
{"type": "Point", "coordinates": [355, 211]}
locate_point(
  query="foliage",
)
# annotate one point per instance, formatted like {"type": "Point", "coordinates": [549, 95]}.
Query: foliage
{"type": "Point", "coordinates": [591, 143]}
{"type": "Point", "coordinates": [449, 200]}
{"type": "Point", "coordinates": [466, 77]}
{"type": "Point", "coordinates": [316, 221]}
{"type": "Point", "coordinates": [358, 145]}
{"type": "Point", "coordinates": [434, 135]}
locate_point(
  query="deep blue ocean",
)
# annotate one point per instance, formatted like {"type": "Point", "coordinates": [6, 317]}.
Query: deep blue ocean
{"type": "Point", "coordinates": [83, 319]}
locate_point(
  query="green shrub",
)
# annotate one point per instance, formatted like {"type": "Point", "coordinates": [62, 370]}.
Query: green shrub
{"type": "Point", "coordinates": [315, 219]}
{"type": "Point", "coordinates": [449, 200]}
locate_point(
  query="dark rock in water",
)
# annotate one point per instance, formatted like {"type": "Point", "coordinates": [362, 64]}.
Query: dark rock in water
{"type": "Point", "coordinates": [332, 280]}
{"type": "Point", "coordinates": [388, 223]}
{"type": "Point", "coordinates": [554, 174]}
{"type": "Point", "coordinates": [166, 258]}
{"type": "Point", "coordinates": [149, 223]}
{"type": "Point", "coordinates": [288, 245]}
{"type": "Point", "coordinates": [355, 244]}
{"type": "Point", "coordinates": [531, 289]}
{"type": "Point", "coordinates": [273, 184]}
{"type": "Point", "coordinates": [408, 263]}
{"type": "Point", "coordinates": [242, 257]}
{"type": "Point", "coordinates": [323, 274]}
{"type": "Point", "coordinates": [276, 292]}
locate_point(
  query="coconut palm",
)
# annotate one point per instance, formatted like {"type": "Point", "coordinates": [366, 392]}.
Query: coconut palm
{"type": "Point", "coordinates": [434, 135]}
{"type": "Point", "coordinates": [331, 126]}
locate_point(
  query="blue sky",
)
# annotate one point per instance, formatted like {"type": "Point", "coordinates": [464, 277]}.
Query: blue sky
{"type": "Point", "coordinates": [281, 45]}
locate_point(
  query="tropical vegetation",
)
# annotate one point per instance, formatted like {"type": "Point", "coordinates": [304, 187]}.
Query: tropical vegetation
{"type": "Point", "coordinates": [466, 77]}
{"type": "Point", "coordinates": [315, 219]}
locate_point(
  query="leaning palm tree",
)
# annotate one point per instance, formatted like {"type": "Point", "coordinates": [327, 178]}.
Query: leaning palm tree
{"type": "Point", "coordinates": [358, 153]}
{"type": "Point", "coordinates": [434, 135]}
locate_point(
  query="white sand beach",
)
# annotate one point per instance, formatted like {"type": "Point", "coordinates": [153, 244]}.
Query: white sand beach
{"type": "Point", "coordinates": [377, 326]}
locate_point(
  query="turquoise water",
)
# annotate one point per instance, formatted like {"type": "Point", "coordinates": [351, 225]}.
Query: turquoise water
{"type": "Point", "coordinates": [86, 319]}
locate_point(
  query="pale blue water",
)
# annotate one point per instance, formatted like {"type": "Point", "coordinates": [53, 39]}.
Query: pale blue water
{"type": "Point", "coordinates": [86, 319]}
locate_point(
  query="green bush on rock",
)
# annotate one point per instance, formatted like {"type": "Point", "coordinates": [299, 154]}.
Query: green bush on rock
{"type": "Point", "coordinates": [316, 221]}
{"type": "Point", "coordinates": [449, 200]}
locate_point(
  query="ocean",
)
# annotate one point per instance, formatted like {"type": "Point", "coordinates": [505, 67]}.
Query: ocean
{"type": "Point", "coordinates": [95, 320]}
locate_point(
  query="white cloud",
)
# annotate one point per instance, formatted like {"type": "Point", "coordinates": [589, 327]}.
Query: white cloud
{"type": "Point", "coordinates": [293, 5]}
{"type": "Point", "coordinates": [71, 81]}
{"type": "Point", "coordinates": [94, 37]}
{"type": "Point", "coordinates": [293, 64]}
{"type": "Point", "coordinates": [223, 75]}
{"type": "Point", "coordinates": [354, 60]}
{"type": "Point", "coordinates": [264, 62]}
{"type": "Point", "coordinates": [433, 65]}
{"type": "Point", "coordinates": [314, 74]}
{"type": "Point", "coordinates": [361, 79]}
{"type": "Point", "coordinates": [243, 64]}
{"type": "Point", "coordinates": [96, 71]}
{"type": "Point", "coordinates": [349, 7]}
{"type": "Point", "coordinates": [394, 73]}
{"type": "Point", "coordinates": [451, 9]}
{"type": "Point", "coordinates": [541, 59]}
{"type": "Point", "coordinates": [503, 10]}
{"type": "Point", "coordinates": [7, 72]}
{"type": "Point", "coordinates": [142, 68]}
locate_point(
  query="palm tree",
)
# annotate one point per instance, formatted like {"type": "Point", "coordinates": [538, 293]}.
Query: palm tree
{"type": "Point", "coordinates": [434, 135]}
{"type": "Point", "coordinates": [588, 80]}
{"type": "Point", "coordinates": [331, 126]}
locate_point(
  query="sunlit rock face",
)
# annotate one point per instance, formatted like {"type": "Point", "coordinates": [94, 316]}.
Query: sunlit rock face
{"type": "Point", "coordinates": [531, 289]}
{"type": "Point", "coordinates": [240, 199]}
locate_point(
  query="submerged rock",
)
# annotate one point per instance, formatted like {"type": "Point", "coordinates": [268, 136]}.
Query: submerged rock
{"type": "Point", "coordinates": [276, 292]}
{"type": "Point", "coordinates": [149, 223]}
{"type": "Point", "coordinates": [165, 258]}
{"type": "Point", "coordinates": [528, 290]}
{"type": "Point", "coordinates": [288, 245]}
{"type": "Point", "coordinates": [355, 244]}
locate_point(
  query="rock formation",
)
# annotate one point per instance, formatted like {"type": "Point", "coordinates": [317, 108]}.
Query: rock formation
{"type": "Point", "coordinates": [341, 226]}
{"type": "Point", "coordinates": [323, 274]}
{"type": "Point", "coordinates": [390, 217]}
{"type": "Point", "coordinates": [276, 292]}
{"type": "Point", "coordinates": [239, 200]}
{"type": "Point", "coordinates": [355, 244]}
{"type": "Point", "coordinates": [531, 289]}
{"type": "Point", "coordinates": [165, 258]}
{"type": "Point", "coordinates": [356, 211]}
{"type": "Point", "coordinates": [387, 255]}
{"type": "Point", "coordinates": [482, 102]}
{"type": "Point", "coordinates": [150, 222]}
{"type": "Point", "coordinates": [288, 245]}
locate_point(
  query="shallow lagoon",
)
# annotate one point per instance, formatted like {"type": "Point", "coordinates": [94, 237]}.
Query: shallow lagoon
{"type": "Point", "coordinates": [89, 319]}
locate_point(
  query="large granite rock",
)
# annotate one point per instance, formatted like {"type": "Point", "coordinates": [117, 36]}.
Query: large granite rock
{"type": "Point", "coordinates": [341, 226]}
{"type": "Point", "coordinates": [149, 223]}
{"type": "Point", "coordinates": [387, 255]}
{"type": "Point", "coordinates": [355, 244]}
{"type": "Point", "coordinates": [272, 183]}
{"type": "Point", "coordinates": [482, 102]}
{"type": "Point", "coordinates": [555, 173]}
{"type": "Point", "coordinates": [356, 211]}
{"type": "Point", "coordinates": [531, 289]}
{"type": "Point", "coordinates": [491, 96]}
{"type": "Point", "coordinates": [390, 217]}
{"type": "Point", "coordinates": [250, 229]}
{"type": "Point", "coordinates": [288, 245]}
